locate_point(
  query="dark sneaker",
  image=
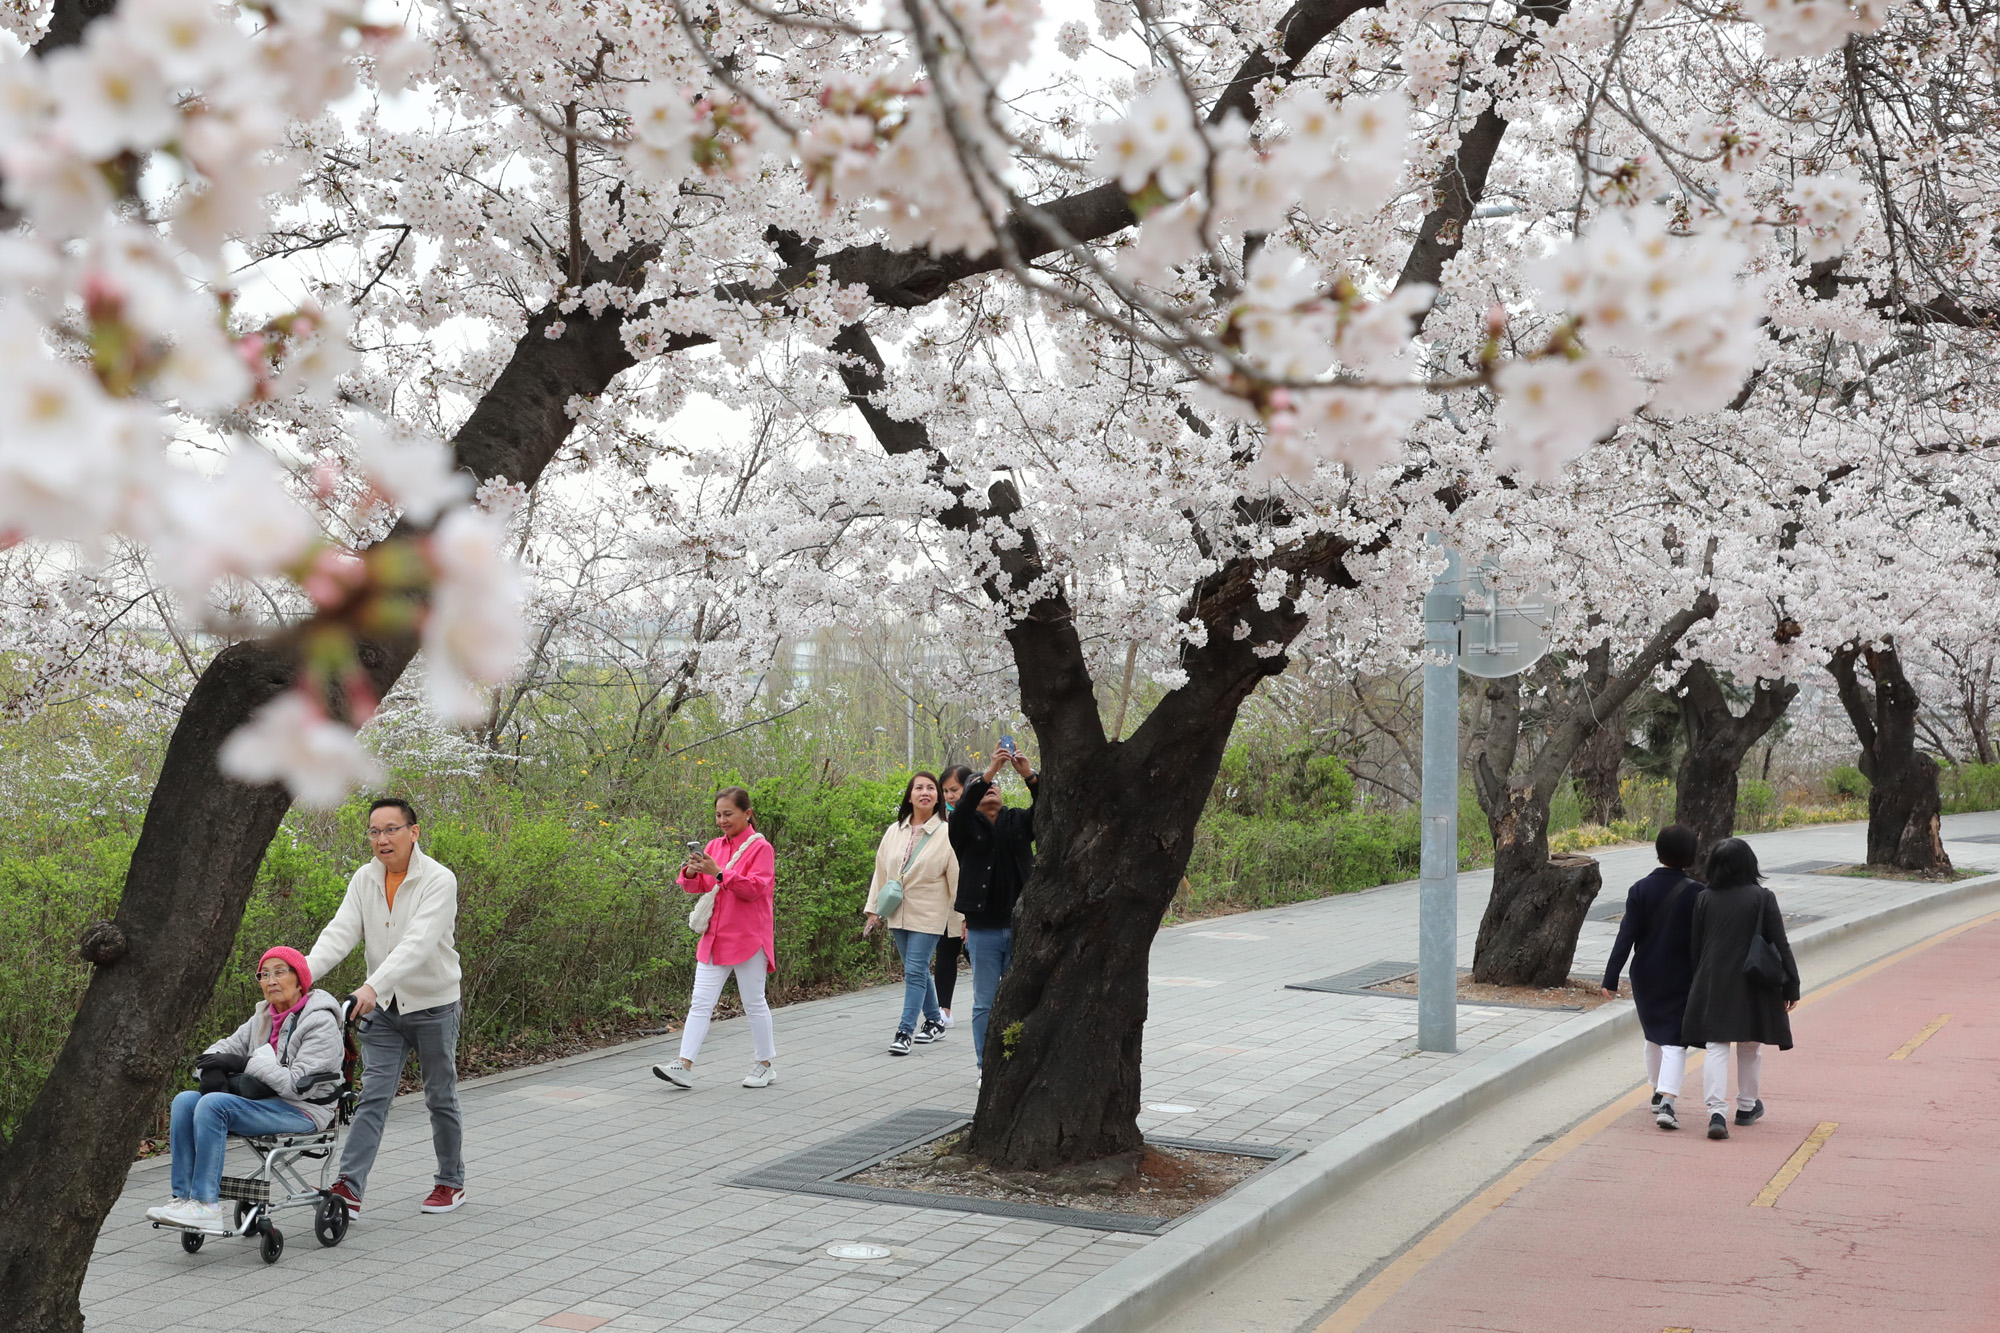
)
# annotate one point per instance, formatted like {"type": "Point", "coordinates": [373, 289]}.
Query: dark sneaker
{"type": "Point", "coordinates": [1664, 1117]}
{"type": "Point", "coordinates": [345, 1192]}
{"type": "Point", "coordinates": [900, 1043]}
{"type": "Point", "coordinates": [928, 1033]}
{"type": "Point", "coordinates": [1751, 1116]}
{"type": "Point", "coordinates": [1656, 1101]}
{"type": "Point", "coordinates": [1718, 1128]}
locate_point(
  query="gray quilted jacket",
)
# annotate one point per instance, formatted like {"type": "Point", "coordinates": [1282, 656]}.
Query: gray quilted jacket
{"type": "Point", "coordinates": [304, 1070]}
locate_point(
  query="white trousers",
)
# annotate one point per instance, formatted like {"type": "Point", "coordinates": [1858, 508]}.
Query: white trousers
{"type": "Point", "coordinates": [708, 979]}
{"type": "Point", "coordinates": [1715, 1075]}
{"type": "Point", "coordinates": [1666, 1066]}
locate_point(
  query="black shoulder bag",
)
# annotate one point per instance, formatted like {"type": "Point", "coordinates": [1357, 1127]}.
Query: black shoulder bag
{"type": "Point", "coordinates": [1763, 966]}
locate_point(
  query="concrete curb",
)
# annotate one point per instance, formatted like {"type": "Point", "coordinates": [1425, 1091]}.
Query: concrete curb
{"type": "Point", "coordinates": [1137, 1292]}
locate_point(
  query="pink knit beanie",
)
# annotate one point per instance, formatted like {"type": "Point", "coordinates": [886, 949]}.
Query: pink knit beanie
{"type": "Point", "coordinates": [293, 959]}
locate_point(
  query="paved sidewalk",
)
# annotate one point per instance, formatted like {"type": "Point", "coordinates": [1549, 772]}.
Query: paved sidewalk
{"type": "Point", "coordinates": [1867, 1197]}
{"type": "Point", "coordinates": [597, 1193]}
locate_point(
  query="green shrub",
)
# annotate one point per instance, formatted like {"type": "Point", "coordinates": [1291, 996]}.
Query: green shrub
{"type": "Point", "coordinates": [1847, 783]}
{"type": "Point", "coordinates": [1247, 862]}
{"type": "Point", "coordinates": [1755, 801]}
{"type": "Point", "coordinates": [1967, 787]}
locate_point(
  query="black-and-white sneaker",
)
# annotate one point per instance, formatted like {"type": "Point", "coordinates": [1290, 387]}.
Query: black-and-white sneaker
{"type": "Point", "coordinates": [1751, 1116]}
{"type": "Point", "coordinates": [900, 1043]}
{"type": "Point", "coordinates": [1656, 1101]}
{"type": "Point", "coordinates": [928, 1032]}
{"type": "Point", "coordinates": [1718, 1128]}
{"type": "Point", "coordinates": [1663, 1114]}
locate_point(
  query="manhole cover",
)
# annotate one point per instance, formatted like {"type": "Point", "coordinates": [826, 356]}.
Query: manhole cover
{"type": "Point", "coordinates": [1170, 1108]}
{"type": "Point", "coordinates": [856, 1250]}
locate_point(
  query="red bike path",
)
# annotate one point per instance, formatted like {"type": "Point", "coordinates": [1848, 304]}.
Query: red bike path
{"type": "Point", "coordinates": [1891, 1223]}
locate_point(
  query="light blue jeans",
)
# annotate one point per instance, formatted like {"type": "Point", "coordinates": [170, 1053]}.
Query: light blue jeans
{"type": "Point", "coordinates": [199, 1130]}
{"type": "Point", "coordinates": [990, 949]}
{"type": "Point", "coordinates": [919, 990]}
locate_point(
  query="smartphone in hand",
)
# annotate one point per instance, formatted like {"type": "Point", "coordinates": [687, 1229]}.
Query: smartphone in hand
{"type": "Point", "coordinates": [1007, 744]}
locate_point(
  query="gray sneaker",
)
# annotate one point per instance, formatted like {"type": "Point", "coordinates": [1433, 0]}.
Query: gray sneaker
{"type": "Point", "coordinates": [1663, 1115]}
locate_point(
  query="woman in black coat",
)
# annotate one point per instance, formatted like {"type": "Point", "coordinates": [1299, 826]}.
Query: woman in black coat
{"type": "Point", "coordinates": [1655, 930]}
{"type": "Point", "coordinates": [1724, 1005]}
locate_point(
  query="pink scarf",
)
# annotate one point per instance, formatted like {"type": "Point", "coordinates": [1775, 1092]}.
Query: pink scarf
{"type": "Point", "coordinates": [278, 1017]}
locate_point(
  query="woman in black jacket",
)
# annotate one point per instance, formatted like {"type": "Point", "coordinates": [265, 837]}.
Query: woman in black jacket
{"type": "Point", "coordinates": [1724, 1005]}
{"type": "Point", "coordinates": [996, 853]}
{"type": "Point", "coordinates": [944, 964]}
{"type": "Point", "coordinates": [1655, 930]}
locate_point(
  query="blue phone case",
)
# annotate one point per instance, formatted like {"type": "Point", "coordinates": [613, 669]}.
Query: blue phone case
{"type": "Point", "coordinates": [1007, 744]}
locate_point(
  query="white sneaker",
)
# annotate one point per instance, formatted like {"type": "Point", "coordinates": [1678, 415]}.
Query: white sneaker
{"type": "Point", "coordinates": [677, 1073]}
{"type": "Point", "coordinates": [761, 1075]}
{"type": "Point", "coordinates": [159, 1214]}
{"type": "Point", "coordinates": [944, 1018]}
{"type": "Point", "coordinates": [194, 1216]}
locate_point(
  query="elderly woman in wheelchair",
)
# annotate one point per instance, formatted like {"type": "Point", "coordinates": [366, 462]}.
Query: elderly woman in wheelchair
{"type": "Point", "coordinates": [279, 1074]}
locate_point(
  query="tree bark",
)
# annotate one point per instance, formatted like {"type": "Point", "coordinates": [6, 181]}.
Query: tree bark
{"type": "Point", "coordinates": [1598, 765]}
{"type": "Point", "coordinates": [1528, 933]}
{"type": "Point", "coordinates": [1717, 741]}
{"type": "Point", "coordinates": [1904, 808]}
{"type": "Point", "coordinates": [192, 871]}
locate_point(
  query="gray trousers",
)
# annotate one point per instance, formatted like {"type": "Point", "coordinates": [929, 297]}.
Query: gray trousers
{"type": "Point", "coordinates": [387, 1038]}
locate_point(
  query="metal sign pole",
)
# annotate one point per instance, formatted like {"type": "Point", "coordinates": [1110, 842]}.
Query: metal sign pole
{"type": "Point", "coordinates": [1437, 944]}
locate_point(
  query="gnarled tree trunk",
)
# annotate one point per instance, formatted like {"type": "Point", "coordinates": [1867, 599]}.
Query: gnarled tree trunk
{"type": "Point", "coordinates": [1527, 936]}
{"type": "Point", "coordinates": [1904, 832]}
{"type": "Point", "coordinates": [1717, 740]}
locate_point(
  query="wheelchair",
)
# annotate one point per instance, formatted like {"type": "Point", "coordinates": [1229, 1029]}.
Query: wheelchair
{"type": "Point", "coordinates": [283, 1178]}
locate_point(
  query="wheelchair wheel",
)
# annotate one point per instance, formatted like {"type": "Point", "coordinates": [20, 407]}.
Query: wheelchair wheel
{"type": "Point", "coordinates": [330, 1221]}
{"type": "Point", "coordinates": [191, 1241]}
{"type": "Point", "coordinates": [274, 1244]}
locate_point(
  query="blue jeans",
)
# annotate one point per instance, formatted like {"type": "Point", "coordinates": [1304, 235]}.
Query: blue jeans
{"type": "Point", "coordinates": [991, 949]}
{"type": "Point", "coordinates": [919, 991]}
{"type": "Point", "coordinates": [200, 1127]}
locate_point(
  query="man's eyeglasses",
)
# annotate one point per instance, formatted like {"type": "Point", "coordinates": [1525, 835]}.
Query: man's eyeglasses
{"type": "Point", "coordinates": [388, 832]}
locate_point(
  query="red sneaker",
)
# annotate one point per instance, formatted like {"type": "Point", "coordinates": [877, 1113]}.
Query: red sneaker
{"type": "Point", "coordinates": [442, 1199]}
{"type": "Point", "coordinates": [344, 1191]}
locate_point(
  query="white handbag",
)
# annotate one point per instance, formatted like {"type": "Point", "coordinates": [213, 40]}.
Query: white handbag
{"type": "Point", "coordinates": [704, 908]}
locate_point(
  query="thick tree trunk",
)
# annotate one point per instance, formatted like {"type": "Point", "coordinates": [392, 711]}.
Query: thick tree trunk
{"type": "Point", "coordinates": [1597, 767]}
{"type": "Point", "coordinates": [192, 872]}
{"type": "Point", "coordinates": [1528, 936]}
{"type": "Point", "coordinates": [1904, 807]}
{"type": "Point", "coordinates": [1717, 741]}
{"type": "Point", "coordinates": [1529, 930]}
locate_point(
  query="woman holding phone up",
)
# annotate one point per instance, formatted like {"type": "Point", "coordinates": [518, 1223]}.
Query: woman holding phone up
{"type": "Point", "coordinates": [739, 870]}
{"type": "Point", "coordinates": [915, 880]}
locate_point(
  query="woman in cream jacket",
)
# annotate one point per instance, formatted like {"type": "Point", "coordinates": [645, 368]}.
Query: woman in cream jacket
{"type": "Point", "coordinates": [916, 853]}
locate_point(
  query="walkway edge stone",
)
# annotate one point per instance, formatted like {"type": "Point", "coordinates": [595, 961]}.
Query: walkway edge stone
{"type": "Point", "coordinates": [1138, 1291]}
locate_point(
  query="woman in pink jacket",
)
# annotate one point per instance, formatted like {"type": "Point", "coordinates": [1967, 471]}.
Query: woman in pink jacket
{"type": "Point", "coordinates": [738, 868]}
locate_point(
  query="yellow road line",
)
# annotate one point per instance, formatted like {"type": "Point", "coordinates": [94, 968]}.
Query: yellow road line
{"type": "Point", "coordinates": [1795, 1164]}
{"type": "Point", "coordinates": [1676, 1330]}
{"type": "Point", "coordinates": [1357, 1308]}
{"type": "Point", "coordinates": [1930, 1030]}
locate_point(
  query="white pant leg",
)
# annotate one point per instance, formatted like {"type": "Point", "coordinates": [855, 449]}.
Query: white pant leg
{"type": "Point", "coordinates": [750, 978]}
{"type": "Point", "coordinates": [1672, 1063]}
{"type": "Point", "coordinates": [1715, 1078]}
{"type": "Point", "coordinates": [708, 979]}
{"type": "Point", "coordinates": [1749, 1073]}
{"type": "Point", "coordinates": [1653, 1065]}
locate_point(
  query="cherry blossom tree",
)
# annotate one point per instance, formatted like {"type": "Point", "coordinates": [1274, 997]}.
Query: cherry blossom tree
{"type": "Point", "coordinates": [1185, 353]}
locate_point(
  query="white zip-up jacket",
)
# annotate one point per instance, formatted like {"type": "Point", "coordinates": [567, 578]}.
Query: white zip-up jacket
{"type": "Point", "coordinates": [408, 948]}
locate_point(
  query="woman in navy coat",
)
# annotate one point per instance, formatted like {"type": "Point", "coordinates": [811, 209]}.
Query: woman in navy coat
{"type": "Point", "coordinates": [1655, 933]}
